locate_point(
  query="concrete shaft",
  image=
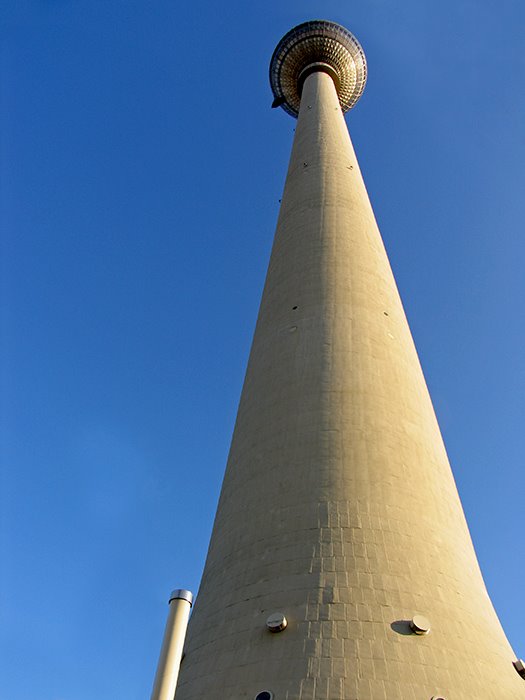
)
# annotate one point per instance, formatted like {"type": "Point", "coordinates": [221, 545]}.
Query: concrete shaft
{"type": "Point", "coordinates": [338, 506]}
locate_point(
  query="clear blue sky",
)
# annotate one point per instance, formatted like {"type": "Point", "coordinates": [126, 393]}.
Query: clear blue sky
{"type": "Point", "coordinates": [141, 172]}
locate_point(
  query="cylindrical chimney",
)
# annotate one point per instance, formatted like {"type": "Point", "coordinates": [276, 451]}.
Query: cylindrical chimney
{"type": "Point", "coordinates": [180, 603]}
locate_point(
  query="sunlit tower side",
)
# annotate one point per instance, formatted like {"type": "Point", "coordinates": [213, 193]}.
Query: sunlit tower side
{"type": "Point", "coordinates": [340, 565]}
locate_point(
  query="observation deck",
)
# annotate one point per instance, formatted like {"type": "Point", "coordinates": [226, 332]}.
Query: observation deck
{"type": "Point", "coordinates": [318, 45]}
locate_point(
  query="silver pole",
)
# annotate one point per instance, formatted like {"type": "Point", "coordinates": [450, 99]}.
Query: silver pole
{"type": "Point", "coordinates": [180, 603]}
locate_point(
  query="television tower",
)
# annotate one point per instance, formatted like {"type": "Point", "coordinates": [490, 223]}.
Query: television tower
{"type": "Point", "coordinates": [340, 565]}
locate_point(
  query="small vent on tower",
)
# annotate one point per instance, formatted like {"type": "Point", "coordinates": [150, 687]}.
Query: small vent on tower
{"type": "Point", "coordinates": [519, 665]}
{"type": "Point", "coordinates": [277, 622]}
{"type": "Point", "coordinates": [264, 695]}
{"type": "Point", "coordinates": [420, 625]}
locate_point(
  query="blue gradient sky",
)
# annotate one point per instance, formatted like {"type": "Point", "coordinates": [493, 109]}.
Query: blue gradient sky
{"type": "Point", "coordinates": [141, 173]}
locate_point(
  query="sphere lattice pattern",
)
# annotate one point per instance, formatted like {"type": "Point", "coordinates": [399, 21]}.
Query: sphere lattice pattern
{"type": "Point", "coordinates": [320, 42]}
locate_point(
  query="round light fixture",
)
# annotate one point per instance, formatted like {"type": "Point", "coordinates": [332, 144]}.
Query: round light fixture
{"type": "Point", "coordinates": [276, 622]}
{"type": "Point", "coordinates": [264, 695]}
{"type": "Point", "coordinates": [420, 625]}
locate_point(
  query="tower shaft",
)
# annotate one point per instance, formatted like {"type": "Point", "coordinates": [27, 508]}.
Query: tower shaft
{"type": "Point", "coordinates": [338, 506]}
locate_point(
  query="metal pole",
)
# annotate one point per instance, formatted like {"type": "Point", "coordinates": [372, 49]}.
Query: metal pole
{"type": "Point", "coordinates": [180, 603]}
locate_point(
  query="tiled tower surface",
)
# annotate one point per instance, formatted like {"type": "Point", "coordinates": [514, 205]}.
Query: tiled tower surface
{"type": "Point", "coordinates": [338, 507]}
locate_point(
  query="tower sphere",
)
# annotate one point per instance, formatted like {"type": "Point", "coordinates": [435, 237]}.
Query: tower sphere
{"type": "Point", "coordinates": [318, 45]}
